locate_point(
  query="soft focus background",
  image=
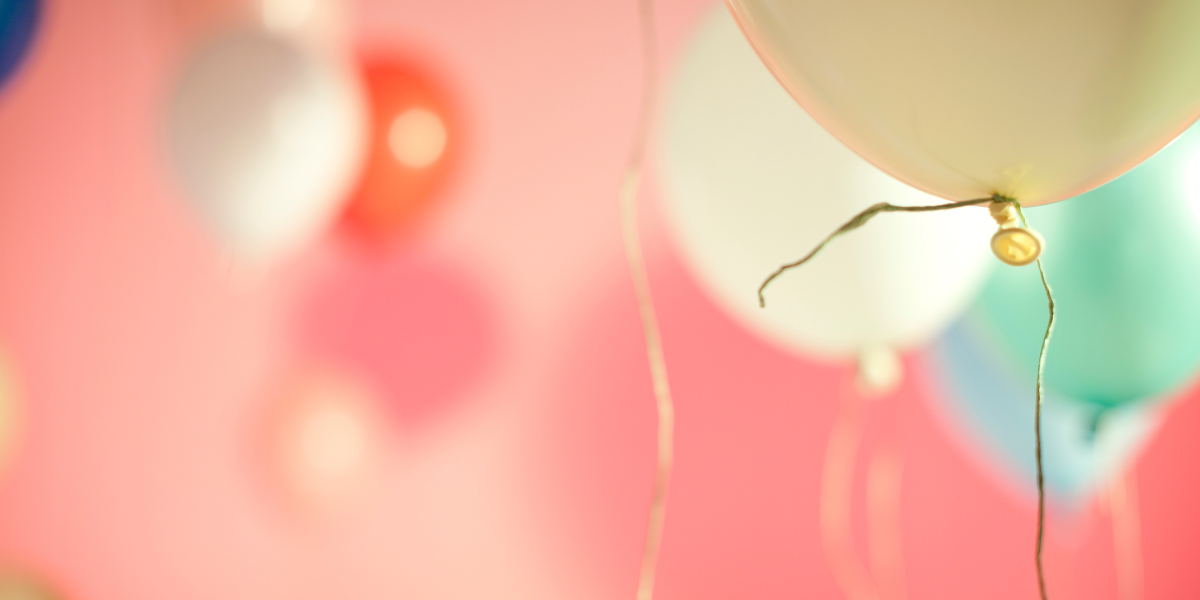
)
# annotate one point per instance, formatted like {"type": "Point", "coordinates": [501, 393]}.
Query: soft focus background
{"type": "Point", "coordinates": [492, 348]}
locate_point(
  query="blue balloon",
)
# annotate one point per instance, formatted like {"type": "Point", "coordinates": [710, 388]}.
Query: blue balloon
{"type": "Point", "coordinates": [990, 408]}
{"type": "Point", "coordinates": [18, 24]}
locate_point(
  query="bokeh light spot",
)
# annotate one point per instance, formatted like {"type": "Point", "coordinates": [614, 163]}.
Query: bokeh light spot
{"type": "Point", "coordinates": [286, 15]}
{"type": "Point", "coordinates": [417, 138]}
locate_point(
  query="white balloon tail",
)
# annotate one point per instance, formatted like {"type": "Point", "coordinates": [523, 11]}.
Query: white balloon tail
{"type": "Point", "coordinates": [880, 371]}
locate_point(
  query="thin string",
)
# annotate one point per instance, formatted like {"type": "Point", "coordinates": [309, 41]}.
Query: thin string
{"type": "Point", "coordinates": [1037, 419]}
{"type": "Point", "coordinates": [1127, 534]}
{"type": "Point", "coordinates": [885, 542]}
{"type": "Point", "coordinates": [837, 487]}
{"type": "Point", "coordinates": [641, 287]}
{"type": "Point", "coordinates": [861, 219]}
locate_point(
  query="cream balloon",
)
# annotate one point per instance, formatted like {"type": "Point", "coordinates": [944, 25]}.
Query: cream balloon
{"type": "Point", "coordinates": [753, 182]}
{"type": "Point", "coordinates": [267, 139]}
{"type": "Point", "coordinates": [1038, 100]}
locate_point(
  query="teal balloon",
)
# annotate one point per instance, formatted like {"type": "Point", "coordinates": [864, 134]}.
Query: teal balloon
{"type": "Point", "coordinates": [1123, 261]}
{"type": "Point", "coordinates": [991, 416]}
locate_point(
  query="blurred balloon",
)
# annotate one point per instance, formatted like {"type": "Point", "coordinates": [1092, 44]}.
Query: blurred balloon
{"type": "Point", "coordinates": [18, 24]}
{"type": "Point", "coordinates": [267, 139]}
{"type": "Point", "coordinates": [754, 182]}
{"type": "Point", "coordinates": [1123, 262]}
{"type": "Point", "coordinates": [1039, 101]}
{"type": "Point", "coordinates": [990, 410]}
{"type": "Point", "coordinates": [328, 438]}
{"type": "Point", "coordinates": [422, 330]}
{"type": "Point", "coordinates": [415, 140]}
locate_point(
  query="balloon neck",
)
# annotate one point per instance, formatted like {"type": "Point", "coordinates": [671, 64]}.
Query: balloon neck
{"type": "Point", "coordinates": [1095, 424]}
{"type": "Point", "coordinates": [1014, 243]}
{"type": "Point", "coordinates": [880, 371]}
{"type": "Point", "coordinates": [1004, 211]}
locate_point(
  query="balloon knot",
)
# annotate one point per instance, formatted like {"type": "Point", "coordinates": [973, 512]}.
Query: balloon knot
{"type": "Point", "coordinates": [1015, 243]}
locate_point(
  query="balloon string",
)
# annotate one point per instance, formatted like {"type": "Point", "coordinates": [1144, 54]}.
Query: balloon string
{"type": "Point", "coordinates": [837, 488]}
{"type": "Point", "coordinates": [1126, 524]}
{"type": "Point", "coordinates": [861, 219]}
{"type": "Point", "coordinates": [1037, 419]}
{"type": "Point", "coordinates": [641, 287]}
{"type": "Point", "coordinates": [885, 541]}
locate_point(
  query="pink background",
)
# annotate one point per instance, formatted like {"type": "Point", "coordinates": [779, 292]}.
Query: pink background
{"type": "Point", "coordinates": [504, 341]}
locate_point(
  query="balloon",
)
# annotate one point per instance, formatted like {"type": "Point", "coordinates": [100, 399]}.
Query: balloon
{"type": "Point", "coordinates": [267, 139]}
{"type": "Point", "coordinates": [415, 141]}
{"type": "Point", "coordinates": [753, 182]}
{"type": "Point", "coordinates": [18, 24]}
{"type": "Point", "coordinates": [991, 412]}
{"type": "Point", "coordinates": [1038, 101]}
{"type": "Point", "coordinates": [1123, 264]}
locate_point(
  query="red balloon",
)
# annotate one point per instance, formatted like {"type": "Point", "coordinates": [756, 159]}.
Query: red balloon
{"type": "Point", "coordinates": [415, 143]}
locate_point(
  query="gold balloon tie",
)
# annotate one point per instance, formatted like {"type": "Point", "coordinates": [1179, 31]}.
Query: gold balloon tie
{"type": "Point", "coordinates": [1014, 244]}
{"type": "Point", "coordinates": [641, 287]}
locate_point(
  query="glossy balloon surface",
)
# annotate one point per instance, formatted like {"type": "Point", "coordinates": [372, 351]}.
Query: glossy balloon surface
{"type": "Point", "coordinates": [1124, 263]}
{"type": "Point", "coordinates": [753, 182]}
{"type": "Point", "coordinates": [1037, 100]}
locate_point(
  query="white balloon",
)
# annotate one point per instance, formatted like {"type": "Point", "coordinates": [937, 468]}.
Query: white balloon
{"type": "Point", "coordinates": [267, 139]}
{"type": "Point", "coordinates": [753, 182]}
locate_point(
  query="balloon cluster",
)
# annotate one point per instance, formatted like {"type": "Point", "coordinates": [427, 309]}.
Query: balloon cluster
{"type": "Point", "coordinates": [1128, 335]}
{"type": "Point", "coordinates": [755, 181]}
{"type": "Point", "coordinates": [277, 136]}
{"type": "Point", "coordinates": [882, 94]}
{"type": "Point", "coordinates": [275, 139]}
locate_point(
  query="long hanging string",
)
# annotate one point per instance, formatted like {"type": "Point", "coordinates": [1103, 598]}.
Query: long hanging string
{"type": "Point", "coordinates": [1127, 535]}
{"type": "Point", "coordinates": [884, 541]}
{"type": "Point", "coordinates": [837, 487]}
{"type": "Point", "coordinates": [641, 287]}
{"type": "Point", "coordinates": [1037, 420]}
{"type": "Point", "coordinates": [861, 219]}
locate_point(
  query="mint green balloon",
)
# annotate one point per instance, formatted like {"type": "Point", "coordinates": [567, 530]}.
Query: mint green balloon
{"type": "Point", "coordinates": [1124, 263]}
